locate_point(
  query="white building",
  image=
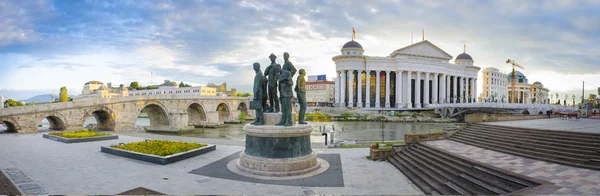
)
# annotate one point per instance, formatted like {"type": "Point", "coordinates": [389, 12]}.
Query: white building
{"type": "Point", "coordinates": [410, 77]}
{"type": "Point", "coordinates": [96, 89]}
{"type": "Point", "coordinates": [495, 87]}
{"type": "Point", "coordinates": [2, 101]}
{"type": "Point", "coordinates": [173, 88]}
{"type": "Point", "coordinates": [525, 92]}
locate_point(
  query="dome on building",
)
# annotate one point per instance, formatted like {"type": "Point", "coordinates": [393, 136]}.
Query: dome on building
{"type": "Point", "coordinates": [464, 56]}
{"type": "Point", "coordinates": [169, 83]}
{"type": "Point", "coordinates": [520, 77]}
{"type": "Point", "coordinates": [352, 44]}
{"type": "Point", "coordinates": [537, 83]}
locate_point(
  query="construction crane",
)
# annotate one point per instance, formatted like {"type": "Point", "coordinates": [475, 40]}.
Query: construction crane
{"type": "Point", "coordinates": [514, 79]}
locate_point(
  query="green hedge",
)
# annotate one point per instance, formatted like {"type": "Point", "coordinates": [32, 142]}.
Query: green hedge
{"type": "Point", "coordinates": [159, 147]}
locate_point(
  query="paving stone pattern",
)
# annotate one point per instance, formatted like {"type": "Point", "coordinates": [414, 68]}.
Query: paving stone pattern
{"type": "Point", "coordinates": [333, 177]}
{"type": "Point", "coordinates": [7, 187]}
{"type": "Point", "coordinates": [583, 125]}
{"type": "Point", "coordinates": [81, 169]}
{"type": "Point", "coordinates": [25, 184]}
{"type": "Point", "coordinates": [573, 181]}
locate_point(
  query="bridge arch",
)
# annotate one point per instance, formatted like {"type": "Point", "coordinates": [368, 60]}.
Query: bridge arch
{"type": "Point", "coordinates": [12, 126]}
{"type": "Point", "coordinates": [224, 111]}
{"type": "Point", "coordinates": [196, 114]}
{"type": "Point", "coordinates": [105, 117]}
{"type": "Point", "coordinates": [56, 120]}
{"type": "Point", "coordinates": [157, 114]}
{"type": "Point", "coordinates": [243, 107]}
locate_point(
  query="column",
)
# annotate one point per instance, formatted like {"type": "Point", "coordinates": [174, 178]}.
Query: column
{"type": "Point", "coordinates": [368, 89]}
{"type": "Point", "coordinates": [447, 90]}
{"type": "Point", "coordinates": [399, 89]}
{"type": "Point", "coordinates": [409, 90]}
{"type": "Point", "coordinates": [377, 88]}
{"type": "Point", "coordinates": [464, 90]}
{"type": "Point", "coordinates": [337, 89]}
{"type": "Point", "coordinates": [475, 89]}
{"type": "Point", "coordinates": [359, 88]}
{"type": "Point", "coordinates": [435, 88]}
{"type": "Point", "coordinates": [426, 90]}
{"type": "Point", "coordinates": [350, 88]}
{"type": "Point", "coordinates": [454, 81]}
{"type": "Point", "coordinates": [460, 93]}
{"type": "Point", "coordinates": [343, 89]}
{"type": "Point", "coordinates": [387, 89]}
{"type": "Point", "coordinates": [472, 90]}
{"type": "Point", "coordinates": [418, 90]}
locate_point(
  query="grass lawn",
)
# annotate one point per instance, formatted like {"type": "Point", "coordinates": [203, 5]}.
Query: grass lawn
{"type": "Point", "coordinates": [159, 147]}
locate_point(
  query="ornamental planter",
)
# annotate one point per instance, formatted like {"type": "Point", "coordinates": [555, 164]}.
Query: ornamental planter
{"type": "Point", "coordinates": [163, 160]}
{"type": "Point", "coordinates": [77, 140]}
{"type": "Point", "coordinates": [381, 153]}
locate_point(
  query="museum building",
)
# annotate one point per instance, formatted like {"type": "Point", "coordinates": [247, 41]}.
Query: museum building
{"type": "Point", "coordinates": [411, 77]}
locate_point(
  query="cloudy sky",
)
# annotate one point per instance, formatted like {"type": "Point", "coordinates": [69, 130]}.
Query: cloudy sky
{"type": "Point", "coordinates": [48, 44]}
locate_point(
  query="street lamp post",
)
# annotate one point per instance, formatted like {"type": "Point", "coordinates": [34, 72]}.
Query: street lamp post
{"type": "Point", "coordinates": [573, 101]}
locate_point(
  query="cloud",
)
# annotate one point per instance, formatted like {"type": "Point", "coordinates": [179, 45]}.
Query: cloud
{"type": "Point", "coordinates": [217, 41]}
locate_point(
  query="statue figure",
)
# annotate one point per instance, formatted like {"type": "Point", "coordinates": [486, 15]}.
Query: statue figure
{"type": "Point", "coordinates": [301, 94]}
{"type": "Point", "coordinates": [259, 95]}
{"type": "Point", "coordinates": [287, 65]}
{"type": "Point", "coordinates": [285, 90]}
{"type": "Point", "coordinates": [272, 72]}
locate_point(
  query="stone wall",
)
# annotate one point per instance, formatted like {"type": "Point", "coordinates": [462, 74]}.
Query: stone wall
{"type": "Point", "coordinates": [483, 117]}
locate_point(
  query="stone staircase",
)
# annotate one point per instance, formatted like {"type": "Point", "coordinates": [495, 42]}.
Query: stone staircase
{"type": "Point", "coordinates": [437, 172]}
{"type": "Point", "coordinates": [575, 149]}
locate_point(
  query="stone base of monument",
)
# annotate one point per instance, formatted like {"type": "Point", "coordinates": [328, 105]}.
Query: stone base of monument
{"type": "Point", "coordinates": [278, 152]}
{"type": "Point", "coordinates": [274, 118]}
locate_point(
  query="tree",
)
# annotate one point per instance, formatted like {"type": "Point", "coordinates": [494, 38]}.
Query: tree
{"type": "Point", "coordinates": [10, 102]}
{"type": "Point", "coordinates": [134, 85]}
{"type": "Point", "coordinates": [64, 96]}
{"type": "Point", "coordinates": [20, 103]}
{"type": "Point", "coordinates": [243, 95]}
{"type": "Point", "coordinates": [184, 85]}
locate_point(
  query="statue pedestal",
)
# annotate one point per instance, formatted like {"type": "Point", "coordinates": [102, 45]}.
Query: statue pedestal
{"type": "Point", "coordinates": [274, 118]}
{"type": "Point", "coordinates": [278, 151]}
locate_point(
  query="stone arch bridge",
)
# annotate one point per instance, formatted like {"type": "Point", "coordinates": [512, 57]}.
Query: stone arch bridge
{"type": "Point", "coordinates": [166, 113]}
{"type": "Point", "coordinates": [452, 110]}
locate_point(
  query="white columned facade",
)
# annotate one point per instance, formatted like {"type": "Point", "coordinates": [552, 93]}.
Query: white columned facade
{"type": "Point", "coordinates": [426, 90]}
{"type": "Point", "coordinates": [472, 81]}
{"type": "Point", "coordinates": [387, 89]}
{"type": "Point", "coordinates": [409, 90]}
{"type": "Point", "coordinates": [359, 89]}
{"type": "Point", "coordinates": [435, 88]}
{"type": "Point", "coordinates": [418, 90]}
{"type": "Point", "coordinates": [378, 88]}
{"type": "Point", "coordinates": [475, 89]}
{"type": "Point", "coordinates": [368, 89]}
{"type": "Point", "coordinates": [399, 89]}
{"type": "Point", "coordinates": [337, 89]}
{"type": "Point", "coordinates": [447, 91]}
{"type": "Point", "coordinates": [464, 90]}
{"type": "Point", "coordinates": [460, 93]}
{"type": "Point", "coordinates": [454, 81]}
{"type": "Point", "coordinates": [343, 89]}
{"type": "Point", "coordinates": [350, 88]}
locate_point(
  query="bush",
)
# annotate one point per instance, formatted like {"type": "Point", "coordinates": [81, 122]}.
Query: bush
{"type": "Point", "coordinates": [159, 147]}
{"type": "Point", "coordinates": [242, 116]}
{"type": "Point", "coordinates": [317, 117]}
{"type": "Point", "coordinates": [79, 134]}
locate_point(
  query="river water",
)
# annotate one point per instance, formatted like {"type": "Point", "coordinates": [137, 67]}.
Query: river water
{"type": "Point", "coordinates": [345, 130]}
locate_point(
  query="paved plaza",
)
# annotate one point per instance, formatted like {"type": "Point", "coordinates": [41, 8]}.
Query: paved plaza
{"type": "Point", "coordinates": [50, 167]}
{"type": "Point", "coordinates": [582, 125]}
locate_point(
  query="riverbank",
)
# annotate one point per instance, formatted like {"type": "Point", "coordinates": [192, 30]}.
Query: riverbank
{"type": "Point", "coordinates": [355, 115]}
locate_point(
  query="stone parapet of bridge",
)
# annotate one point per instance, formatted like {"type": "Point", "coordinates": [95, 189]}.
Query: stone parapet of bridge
{"type": "Point", "coordinates": [166, 112]}
{"type": "Point", "coordinates": [451, 110]}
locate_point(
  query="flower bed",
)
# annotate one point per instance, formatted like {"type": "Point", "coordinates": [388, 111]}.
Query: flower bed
{"type": "Point", "coordinates": [79, 136]}
{"type": "Point", "coordinates": [159, 151]}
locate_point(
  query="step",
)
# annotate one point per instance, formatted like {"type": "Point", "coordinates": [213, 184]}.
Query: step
{"type": "Point", "coordinates": [533, 146]}
{"type": "Point", "coordinates": [437, 180]}
{"type": "Point", "coordinates": [506, 177]}
{"type": "Point", "coordinates": [575, 133]}
{"type": "Point", "coordinates": [543, 137]}
{"type": "Point", "coordinates": [483, 185]}
{"type": "Point", "coordinates": [411, 174]}
{"type": "Point", "coordinates": [516, 152]}
{"type": "Point", "coordinates": [540, 140]}
{"type": "Point", "coordinates": [447, 174]}
{"type": "Point", "coordinates": [505, 185]}
{"type": "Point", "coordinates": [572, 135]}
{"type": "Point", "coordinates": [525, 148]}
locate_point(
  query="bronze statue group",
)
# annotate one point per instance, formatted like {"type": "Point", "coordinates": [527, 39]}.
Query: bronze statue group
{"type": "Point", "coordinates": [279, 79]}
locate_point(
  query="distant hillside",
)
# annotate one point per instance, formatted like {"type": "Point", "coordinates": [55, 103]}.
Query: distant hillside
{"type": "Point", "coordinates": [42, 98]}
